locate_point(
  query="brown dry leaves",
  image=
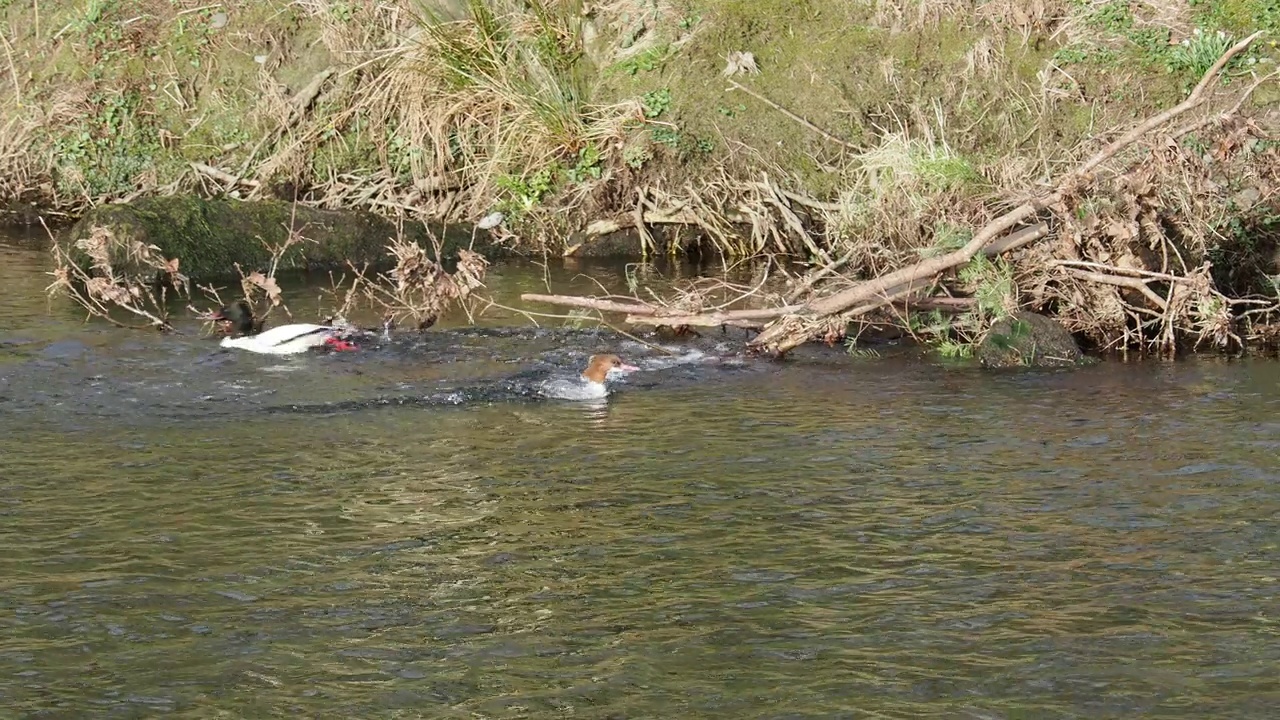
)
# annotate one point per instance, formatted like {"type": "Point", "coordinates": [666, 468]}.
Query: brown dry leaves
{"type": "Point", "coordinates": [1132, 265]}
{"type": "Point", "coordinates": [267, 285]}
{"type": "Point", "coordinates": [102, 287]}
{"type": "Point", "coordinates": [419, 288]}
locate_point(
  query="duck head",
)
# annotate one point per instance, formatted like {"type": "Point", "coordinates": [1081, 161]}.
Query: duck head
{"type": "Point", "coordinates": [606, 367]}
{"type": "Point", "coordinates": [238, 316]}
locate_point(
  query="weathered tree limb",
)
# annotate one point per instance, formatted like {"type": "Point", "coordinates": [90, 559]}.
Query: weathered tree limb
{"type": "Point", "coordinates": [750, 318]}
{"type": "Point", "coordinates": [704, 320]}
{"type": "Point", "coordinates": [639, 313]}
{"type": "Point", "coordinates": [1194, 100]}
{"type": "Point", "coordinates": [1132, 283]}
{"type": "Point", "coordinates": [1240, 101]}
{"type": "Point", "coordinates": [779, 338]}
{"type": "Point", "coordinates": [1022, 238]}
{"type": "Point", "coordinates": [591, 303]}
{"type": "Point", "coordinates": [1116, 270]}
{"type": "Point", "coordinates": [223, 176]}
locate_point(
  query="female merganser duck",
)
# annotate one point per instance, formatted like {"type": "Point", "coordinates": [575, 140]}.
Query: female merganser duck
{"type": "Point", "coordinates": [591, 384]}
{"type": "Point", "coordinates": [283, 340]}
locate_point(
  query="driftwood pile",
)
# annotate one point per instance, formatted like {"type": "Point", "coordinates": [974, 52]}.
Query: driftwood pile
{"type": "Point", "coordinates": [816, 306]}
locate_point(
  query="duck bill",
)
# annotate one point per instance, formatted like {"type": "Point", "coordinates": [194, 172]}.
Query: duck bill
{"type": "Point", "coordinates": [627, 368]}
{"type": "Point", "coordinates": [340, 345]}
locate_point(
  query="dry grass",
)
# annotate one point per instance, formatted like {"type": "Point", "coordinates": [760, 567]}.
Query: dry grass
{"type": "Point", "coordinates": [496, 95]}
{"type": "Point", "coordinates": [1165, 225]}
{"type": "Point", "coordinates": [898, 196]}
{"type": "Point", "coordinates": [910, 15]}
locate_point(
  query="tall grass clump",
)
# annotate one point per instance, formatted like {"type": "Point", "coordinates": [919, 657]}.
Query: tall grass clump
{"type": "Point", "coordinates": [899, 198]}
{"type": "Point", "coordinates": [502, 94]}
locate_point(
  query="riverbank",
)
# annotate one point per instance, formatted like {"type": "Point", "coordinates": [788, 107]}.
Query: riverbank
{"type": "Point", "coordinates": [354, 104]}
{"type": "Point", "coordinates": [863, 136]}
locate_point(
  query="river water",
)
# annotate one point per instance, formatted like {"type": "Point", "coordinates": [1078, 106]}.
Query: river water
{"type": "Point", "coordinates": [198, 533]}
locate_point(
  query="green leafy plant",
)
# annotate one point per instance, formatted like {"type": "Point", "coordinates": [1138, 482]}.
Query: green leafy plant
{"type": "Point", "coordinates": [589, 165]}
{"type": "Point", "coordinates": [636, 155]}
{"type": "Point", "coordinates": [993, 286]}
{"type": "Point", "coordinates": [852, 349]}
{"type": "Point", "coordinates": [646, 61]}
{"type": "Point", "coordinates": [656, 103]}
{"type": "Point", "coordinates": [666, 135]}
{"type": "Point", "coordinates": [1197, 53]}
{"type": "Point", "coordinates": [523, 194]}
{"type": "Point", "coordinates": [953, 349]}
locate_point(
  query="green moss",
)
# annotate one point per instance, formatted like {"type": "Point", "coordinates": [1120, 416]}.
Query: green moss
{"type": "Point", "coordinates": [209, 237]}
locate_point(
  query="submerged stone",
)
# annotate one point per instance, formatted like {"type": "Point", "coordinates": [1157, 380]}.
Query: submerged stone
{"type": "Point", "coordinates": [1028, 340]}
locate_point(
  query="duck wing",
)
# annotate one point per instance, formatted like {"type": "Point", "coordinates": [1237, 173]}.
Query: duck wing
{"type": "Point", "coordinates": [286, 334]}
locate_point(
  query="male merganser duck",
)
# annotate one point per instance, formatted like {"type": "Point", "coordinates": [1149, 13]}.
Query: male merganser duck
{"type": "Point", "coordinates": [283, 340]}
{"type": "Point", "coordinates": [591, 384]}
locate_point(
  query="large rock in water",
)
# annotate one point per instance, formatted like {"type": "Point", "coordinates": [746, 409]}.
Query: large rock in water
{"type": "Point", "coordinates": [1028, 340]}
{"type": "Point", "coordinates": [208, 237]}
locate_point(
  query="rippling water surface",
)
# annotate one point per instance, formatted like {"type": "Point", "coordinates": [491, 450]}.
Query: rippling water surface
{"type": "Point", "coordinates": [822, 538]}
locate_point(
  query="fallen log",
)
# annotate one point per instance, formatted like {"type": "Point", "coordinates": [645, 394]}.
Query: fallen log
{"type": "Point", "coordinates": [588, 303]}
{"type": "Point", "coordinates": [639, 313]}
{"type": "Point", "coordinates": [743, 319]}
{"type": "Point", "coordinates": [787, 327]}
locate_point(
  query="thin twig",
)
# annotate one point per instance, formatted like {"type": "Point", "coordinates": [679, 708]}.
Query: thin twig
{"type": "Point", "coordinates": [793, 116]}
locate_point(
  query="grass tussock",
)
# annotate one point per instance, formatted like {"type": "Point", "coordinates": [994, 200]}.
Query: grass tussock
{"type": "Point", "coordinates": [905, 198]}
{"type": "Point", "coordinates": [501, 97]}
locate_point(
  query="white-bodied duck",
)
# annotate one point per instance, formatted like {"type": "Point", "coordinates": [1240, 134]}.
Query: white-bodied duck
{"type": "Point", "coordinates": [284, 340]}
{"type": "Point", "coordinates": [590, 385]}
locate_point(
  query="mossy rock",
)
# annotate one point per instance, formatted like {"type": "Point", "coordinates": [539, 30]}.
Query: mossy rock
{"type": "Point", "coordinates": [210, 236]}
{"type": "Point", "coordinates": [1028, 340]}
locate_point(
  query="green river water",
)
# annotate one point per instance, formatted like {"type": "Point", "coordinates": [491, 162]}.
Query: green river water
{"type": "Point", "coordinates": [188, 532]}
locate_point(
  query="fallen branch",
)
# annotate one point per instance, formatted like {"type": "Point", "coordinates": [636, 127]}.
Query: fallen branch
{"type": "Point", "coordinates": [223, 176]}
{"type": "Point", "coordinates": [704, 320]}
{"type": "Point", "coordinates": [1132, 283]}
{"type": "Point", "coordinates": [793, 116]}
{"type": "Point", "coordinates": [751, 319]}
{"type": "Point", "coordinates": [591, 303]}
